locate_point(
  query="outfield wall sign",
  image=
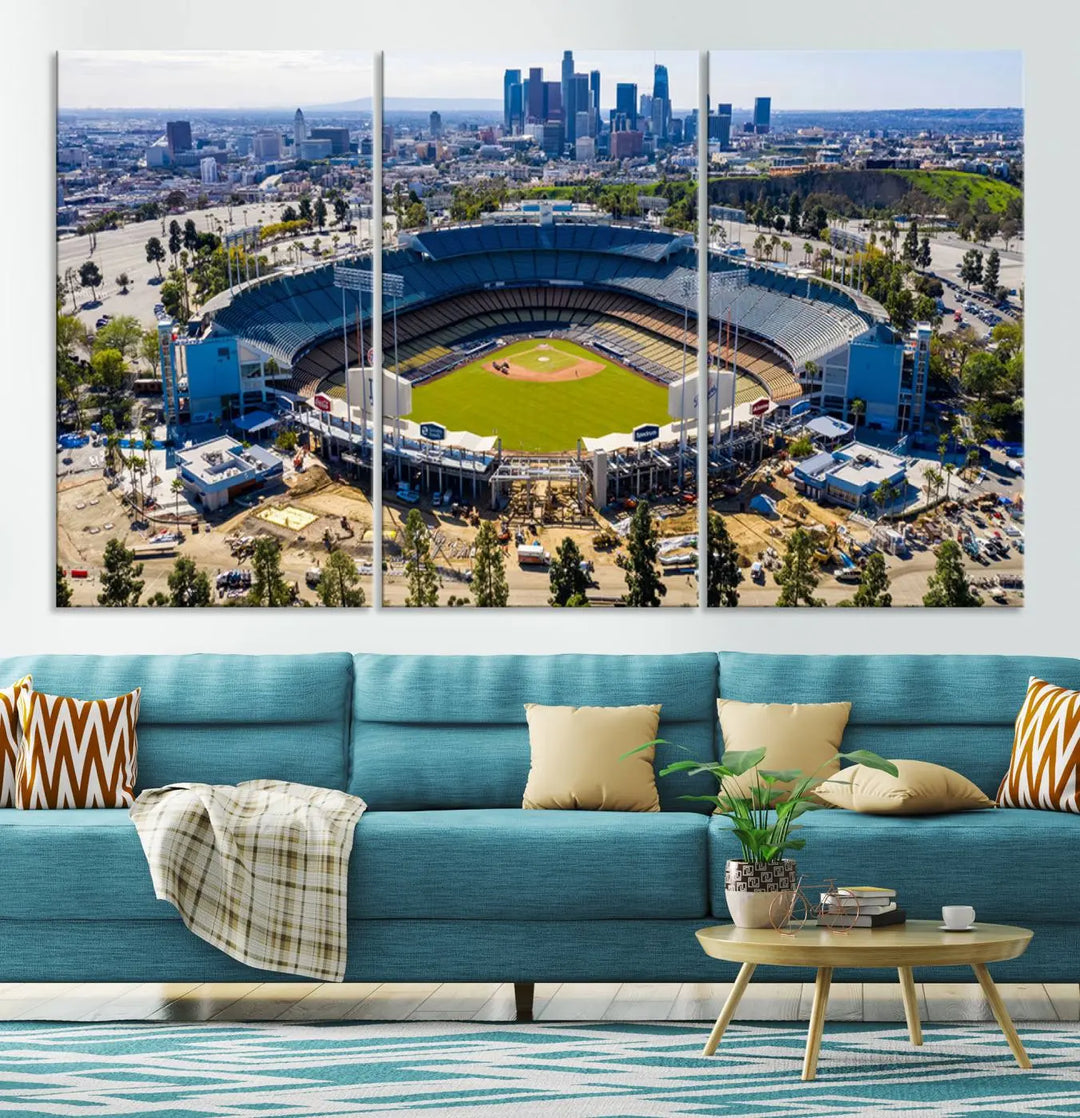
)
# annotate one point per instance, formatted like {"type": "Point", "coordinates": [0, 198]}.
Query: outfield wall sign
{"type": "Point", "coordinates": [434, 431]}
{"type": "Point", "coordinates": [646, 433]}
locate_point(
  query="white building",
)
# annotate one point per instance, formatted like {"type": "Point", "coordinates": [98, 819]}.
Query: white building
{"type": "Point", "coordinates": [208, 171]}
{"type": "Point", "coordinates": [299, 131]}
{"type": "Point", "coordinates": [266, 146]}
{"type": "Point", "coordinates": [584, 149]}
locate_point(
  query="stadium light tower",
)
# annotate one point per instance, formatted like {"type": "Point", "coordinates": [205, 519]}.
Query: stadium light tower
{"type": "Point", "coordinates": [362, 280]}
{"type": "Point", "coordinates": [688, 289]}
{"type": "Point", "coordinates": [246, 237]}
{"type": "Point", "coordinates": [724, 287]}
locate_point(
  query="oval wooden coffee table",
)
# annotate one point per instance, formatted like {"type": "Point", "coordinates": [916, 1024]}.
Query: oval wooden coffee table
{"type": "Point", "coordinates": [918, 943]}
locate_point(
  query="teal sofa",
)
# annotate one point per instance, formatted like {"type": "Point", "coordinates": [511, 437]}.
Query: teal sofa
{"type": "Point", "coordinates": [451, 881]}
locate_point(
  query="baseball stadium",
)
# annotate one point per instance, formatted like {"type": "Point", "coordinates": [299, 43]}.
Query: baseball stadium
{"type": "Point", "coordinates": [548, 342]}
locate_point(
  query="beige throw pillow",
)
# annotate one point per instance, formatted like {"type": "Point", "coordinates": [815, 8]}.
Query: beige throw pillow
{"type": "Point", "coordinates": [576, 758]}
{"type": "Point", "coordinates": [802, 736]}
{"type": "Point", "coordinates": [919, 788]}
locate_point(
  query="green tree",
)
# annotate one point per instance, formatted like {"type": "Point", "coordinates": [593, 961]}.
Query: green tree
{"type": "Point", "coordinates": [120, 581]}
{"type": "Point", "coordinates": [268, 586]}
{"type": "Point", "coordinates": [123, 281]}
{"type": "Point", "coordinates": [971, 267]}
{"type": "Point", "coordinates": [873, 588]}
{"type": "Point", "coordinates": [643, 585]}
{"type": "Point", "coordinates": [155, 253]}
{"type": "Point", "coordinates": [801, 447]}
{"type": "Point", "coordinates": [305, 212]}
{"type": "Point", "coordinates": [982, 375]}
{"type": "Point", "coordinates": [420, 571]}
{"type": "Point", "coordinates": [794, 211]}
{"type": "Point", "coordinates": [991, 273]}
{"type": "Point", "coordinates": [948, 585]}
{"type": "Point", "coordinates": [108, 373]}
{"type": "Point", "coordinates": [149, 350]}
{"type": "Point", "coordinates": [722, 574]}
{"type": "Point", "coordinates": [924, 259]}
{"type": "Point", "coordinates": [901, 307]}
{"type": "Point", "coordinates": [287, 442]}
{"type": "Point", "coordinates": [90, 276]}
{"type": "Point", "coordinates": [857, 408]}
{"type": "Point", "coordinates": [176, 487]}
{"type": "Point", "coordinates": [911, 243]}
{"type": "Point", "coordinates": [124, 334]}
{"type": "Point", "coordinates": [489, 569]}
{"type": "Point", "coordinates": [339, 585]}
{"type": "Point", "coordinates": [797, 578]}
{"type": "Point", "coordinates": [569, 582]}
{"type": "Point", "coordinates": [190, 235]}
{"type": "Point", "coordinates": [63, 588]}
{"type": "Point", "coordinates": [188, 586]}
{"type": "Point", "coordinates": [320, 213]}
{"type": "Point", "coordinates": [176, 239]}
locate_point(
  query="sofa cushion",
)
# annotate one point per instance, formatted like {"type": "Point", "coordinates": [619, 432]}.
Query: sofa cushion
{"type": "Point", "coordinates": [956, 710]}
{"type": "Point", "coordinates": [74, 865]}
{"type": "Point", "coordinates": [512, 864]}
{"type": "Point", "coordinates": [450, 731]}
{"type": "Point", "coordinates": [1044, 770]}
{"type": "Point", "coordinates": [1015, 867]}
{"type": "Point", "coordinates": [579, 762]}
{"type": "Point", "coordinates": [506, 864]}
{"type": "Point", "coordinates": [10, 733]}
{"type": "Point", "coordinates": [919, 788]}
{"type": "Point", "coordinates": [219, 719]}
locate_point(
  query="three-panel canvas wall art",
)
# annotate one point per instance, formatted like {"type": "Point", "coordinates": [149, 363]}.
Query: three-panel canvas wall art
{"type": "Point", "coordinates": [485, 341]}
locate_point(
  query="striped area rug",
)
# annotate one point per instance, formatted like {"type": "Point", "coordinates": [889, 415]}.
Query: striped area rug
{"type": "Point", "coordinates": [544, 1070]}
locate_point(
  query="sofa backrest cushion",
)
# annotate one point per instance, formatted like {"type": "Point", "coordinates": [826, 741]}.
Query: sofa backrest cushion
{"type": "Point", "coordinates": [957, 711]}
{"type": "Point", "coordinates": [450, 731]}
{"type": "Point", "coordinates": [219, 719]}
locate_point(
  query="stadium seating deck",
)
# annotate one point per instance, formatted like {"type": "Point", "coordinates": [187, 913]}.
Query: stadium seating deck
{"type": "Point", "coordinates": [621, 280]}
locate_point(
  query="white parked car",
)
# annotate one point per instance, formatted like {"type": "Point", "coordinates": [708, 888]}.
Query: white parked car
{"type": "Point", "coordinates": [1015, 465]}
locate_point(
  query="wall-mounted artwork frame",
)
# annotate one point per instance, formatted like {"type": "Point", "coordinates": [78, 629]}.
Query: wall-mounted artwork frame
{"type": "Point", "coordinates": [431, 329]}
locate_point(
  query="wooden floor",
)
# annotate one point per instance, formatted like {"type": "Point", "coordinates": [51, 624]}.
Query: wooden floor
{"type": "Point", "coordinates": [482, 1001]}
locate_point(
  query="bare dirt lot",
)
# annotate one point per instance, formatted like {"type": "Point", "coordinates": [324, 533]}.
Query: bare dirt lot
{"type": "Point", "coordinates": [90, 514]}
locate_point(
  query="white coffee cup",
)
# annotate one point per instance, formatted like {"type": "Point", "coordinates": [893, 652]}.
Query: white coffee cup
{"type": "Point", "coordinates": [957, 917]}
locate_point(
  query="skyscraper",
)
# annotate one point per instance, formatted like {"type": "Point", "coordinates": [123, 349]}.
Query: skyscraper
{"type": "Point", "coordinates": [579, 103]}
{"type": "Point", "coordinates": [534, 101]}
{"type": "Point", "coordinates": [661, 107]}
{"type": "Point", "coordinates": [626, 103]}
{"type": "Point", "coordinates": [553, 106]}
{"type": "Point", "coordinates": [511, 78]}
{"type": "Point", "coordinates": [762, 111]}
{"type": "Point", "coordinates": [594, 92]}
{"type": "Point", "coordinates": [178, 136]}
{"type": "Point", "coordinates": [566, 92]}
{"type": "Point", "coordinates": [720, 126]}
{"type": "Point", "coordinates": [435, 125]}
{"type": "Point", "coordinates": [299, 131]}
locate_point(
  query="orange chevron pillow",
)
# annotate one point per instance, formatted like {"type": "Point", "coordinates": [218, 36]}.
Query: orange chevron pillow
{"type": "Point", "coordinates": [1044, 771]}
{"type": "Point", "coordinates": [77, 753]}
{"type": "Point", "coordinates": [9, 738]}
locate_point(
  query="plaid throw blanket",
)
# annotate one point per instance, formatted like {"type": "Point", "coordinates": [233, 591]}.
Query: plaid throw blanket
{"type": "Point", "coordinates": [258, 869]}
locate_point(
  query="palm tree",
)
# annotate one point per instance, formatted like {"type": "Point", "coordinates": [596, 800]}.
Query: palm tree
{"type": "Point", "coordinates": [786, 247]}
{"type": "Point", "coordinates": [949, 469]}
{"type": "Point", "coordinates": [807, 252]}
{"type": "Point", "coordinates": [858, 410]}
{"type": "Point", "coordinates": [933, 483]}
{"type": "Point", "coordinates": [759, 245]}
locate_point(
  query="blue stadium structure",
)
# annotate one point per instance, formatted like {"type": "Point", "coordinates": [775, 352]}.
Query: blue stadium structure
{"type": "Point", "coordinates": [629, 288]}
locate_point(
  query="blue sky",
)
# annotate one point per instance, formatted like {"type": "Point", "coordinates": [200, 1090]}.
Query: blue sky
{"type": "Point", "coordinates": [794, 79]}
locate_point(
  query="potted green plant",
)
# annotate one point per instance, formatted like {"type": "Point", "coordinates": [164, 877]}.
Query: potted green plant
{"type": "Point", "coordinates": [761, 883]}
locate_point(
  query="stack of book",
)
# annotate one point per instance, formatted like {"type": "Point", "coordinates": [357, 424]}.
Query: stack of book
{"type": "Point", "coordinates": [860, 906]}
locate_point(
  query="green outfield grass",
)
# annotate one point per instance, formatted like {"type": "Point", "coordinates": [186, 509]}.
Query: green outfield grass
{"type": "Point", "coordinates": [533, 416]}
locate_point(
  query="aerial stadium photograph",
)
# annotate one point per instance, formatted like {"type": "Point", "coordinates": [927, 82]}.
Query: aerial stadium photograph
{"type": "Point", "coordinates": [214, 256]}
{"type": "Point", "coordinates": [540, 446]}
{"type": "Point", "coordinates": [865, 329]}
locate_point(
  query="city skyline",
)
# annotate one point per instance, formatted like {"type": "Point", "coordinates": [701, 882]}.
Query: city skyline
{"type": "Point", "coordinates": [828, 81]}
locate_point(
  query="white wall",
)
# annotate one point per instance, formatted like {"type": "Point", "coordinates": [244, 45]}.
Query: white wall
{"type": "Point", "coordinates": [28, 622]}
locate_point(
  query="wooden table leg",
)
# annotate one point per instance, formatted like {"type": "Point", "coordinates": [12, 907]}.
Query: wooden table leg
{"type": "Point", "coordinates": [732, 1003]}
{"type": "Point", "coordinates": [911, 1004]}
{"type": "Point", "coordinates": [817, 1022]}
{"type": "Point", "coordinates": [1001, 1014]}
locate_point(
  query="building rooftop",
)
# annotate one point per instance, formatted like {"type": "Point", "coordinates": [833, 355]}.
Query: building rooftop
{"type": "Point", "coordinates": [825, 427]}
{"type": "Point", "coordinates": [224, 460]}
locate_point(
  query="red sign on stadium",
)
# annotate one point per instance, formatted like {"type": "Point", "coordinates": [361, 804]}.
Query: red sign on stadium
{"type": "Point", "coordinates": [322, 403]}
{"type": "Point", "coordinates": [760, 407]}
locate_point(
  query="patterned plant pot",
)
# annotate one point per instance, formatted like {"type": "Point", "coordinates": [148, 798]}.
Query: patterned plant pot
{"type": "Point", "coordinates": [759, 894]}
